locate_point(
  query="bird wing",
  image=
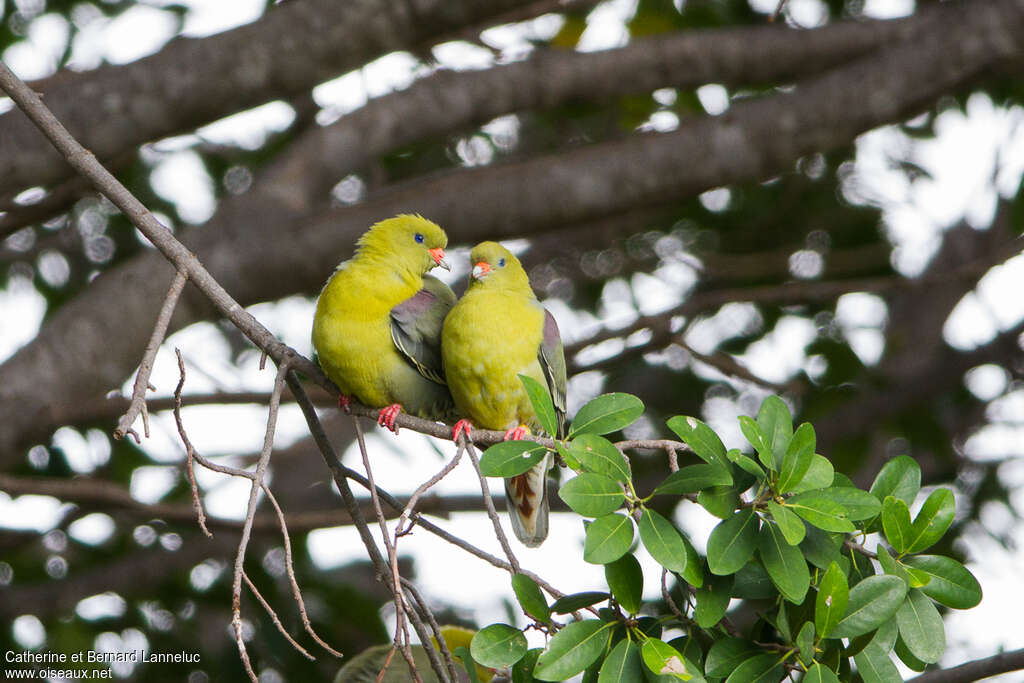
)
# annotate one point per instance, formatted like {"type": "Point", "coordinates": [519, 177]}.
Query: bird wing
{"type": "Point", "coordinates": [416, 327]}
{"type": "Point", "coordinates": [552, 361]}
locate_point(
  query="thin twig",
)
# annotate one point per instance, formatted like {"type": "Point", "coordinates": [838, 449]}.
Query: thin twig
{"type": "Point", "coordinates": [486, 492]}
{"type": "Point", "coordinates": [277, 621]}
{"type": "Point", "coordinates": [423, 488]}
{"type": "Point", "coordinates": [190, 452]}
{"type": "Point", "coordinates": [138, 403]}
{"type": "Point", "coordinates": [434, 627]}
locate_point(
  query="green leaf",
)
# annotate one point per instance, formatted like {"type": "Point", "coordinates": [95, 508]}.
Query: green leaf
{"type": "Point", "coordinates": [542, 404]}
{"type": "Point", "coordinates": [896, 523]}
{"type": "Point", "coordinates": [797, 459]}
{"type": "Point", "coordinates": [900, 478]}
{"type": "Point", "coordinates": [805, 642]}
{"type": "Point", "coordinates": [784, 562]}
{"type": "Point", "coordinates": [830, 604]}
{"type": "Point", "coordinates": [607, 539]}
{"type": "Point", "coordinates": [857, 503]}
{"type": "Point", "coordinates": [713, 600]}
{"type": "Point", "coordinates": [522, 671]}
{"type": "Point", "coordinates": [907, 657]}
{"type": "Point", "coordinates": [727, 654]}
{"type": "Point", "coordinates": [872, 602]}
{"type": "Point", "coordinates": [921, 627]}
{"type": "Point", "coordinates": [530, 598]}
{"type": "Point", "coordinates": [577, 601]}
{"type": "Point", "coordinates": [600, 456]}
{"type": "Point", "coordinates": [572, 650]}
{"type": "Point", "coordinates": [822, 548]}
{"type": "Point", "coordinates": [819, 475]}
{"type": "Point", "coordinates": [822, 513]}
{"type": "Point", "coordinates": [606, 413]}
{"type": "Point", "coordinates": [753, 583]}
{"type": "Point", "coordinates": [668, 548]}
{"type": "Point", "coordinates": [662, 658]}
{"type": "Point", "coordinates": [819, 674]}
{"type": "Point", "coordinates": [466, 659]}
{"type": "Point", "coordinates": [951, 584]}
{"type": "Point", "coordinates": [622, 665]}
{"type": "Point", "coordinates": [568, 457]}
{"type": "Point", "coordinates": [510, 458]}
{"type": "Point", "coordinates": [625, 578]}
{"type": "Point", "coordinates": [932, 521]}
{"type": "Point", "coordinates": [701, 438]}
{"type": "Point", "coordinates": [755, 438]}
{"type": "Point", "coordinates": [693, 478]}
{"type": "Point", "coordinates": [498, 646]}
{"type": "Point", "coordinates": [721, 501]}
{"type": "Point", "coordinates": [592, 495]}
{"type": "Point", "coordinates": [790, 524]}
{"type": "Point", "coordinates": [732, 542]}
{"type": "Point", "coordinates": [777, 427]}
{"type": "Point", "coordinates": [893, 567]}
{"type": "Point", "coordinates": [766, 668]}
{"type": "Point", "coordinates": [746, 464]}
{"type": "Point", "coordinates": [875, 666]}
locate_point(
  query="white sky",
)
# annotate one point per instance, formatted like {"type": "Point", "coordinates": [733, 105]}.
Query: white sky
{"type": "Point", "coordinates": [969, 150]}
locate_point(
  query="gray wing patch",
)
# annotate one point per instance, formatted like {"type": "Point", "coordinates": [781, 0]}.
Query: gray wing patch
{"type": "Point", "coordinates": [552, 362]}
{"type": "Point", "coordinates": [416, 327]}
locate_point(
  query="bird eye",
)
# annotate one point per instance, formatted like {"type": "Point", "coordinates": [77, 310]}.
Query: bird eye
{"type": "Point", "coordinates": [419, 237]}
{"type": "Point", "coordinates": [501, 263]}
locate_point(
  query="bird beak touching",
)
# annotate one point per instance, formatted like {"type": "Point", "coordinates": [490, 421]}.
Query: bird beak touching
{"type": "Point", "coordinates": [438, 254]}
{"type": "Point", "coordinates": [480, 270]}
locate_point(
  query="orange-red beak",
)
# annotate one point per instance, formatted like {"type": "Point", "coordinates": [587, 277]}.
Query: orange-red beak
{"type": "Point", "coordinates": [480, 270]}
{"type": "Point", "coordinates": [438, 254]}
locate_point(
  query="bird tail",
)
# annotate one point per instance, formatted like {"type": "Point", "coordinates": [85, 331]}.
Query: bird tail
{"type": "Point", "coordinates": [527, 496]}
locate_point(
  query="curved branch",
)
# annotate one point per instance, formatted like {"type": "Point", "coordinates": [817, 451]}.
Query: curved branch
{"type": "Point", "coordinates": [975, 670]}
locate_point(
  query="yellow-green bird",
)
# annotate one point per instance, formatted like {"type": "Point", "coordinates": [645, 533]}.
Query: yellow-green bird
{"type": "Point", "coordinates": [497, 331]}
{"type": "Point", "coordinates": [377, 328]}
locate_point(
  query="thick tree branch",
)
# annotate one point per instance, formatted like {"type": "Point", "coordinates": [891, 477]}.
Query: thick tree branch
{"type": "Point", "coordinates": [975, 670]}
{"type": "Point", "coordinates": [290, 50]}
{"type": "Point", "coordinates": [753, 140]}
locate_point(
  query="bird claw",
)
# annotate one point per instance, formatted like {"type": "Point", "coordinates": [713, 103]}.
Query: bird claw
{"type": "Point", "coordinates": [345, 403]}
{"type": "Point", "coordinates": [462, 427]}
{"type": "Point", "coordinates": [387, 416]}
{"type": "Point", "coordinates": [517, 433]}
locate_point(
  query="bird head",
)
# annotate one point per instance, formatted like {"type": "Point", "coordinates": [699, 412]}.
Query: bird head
{"type": "Point", "coordinates": [496, 266]}
{"type": "Point", "coordinates": [407, 240]}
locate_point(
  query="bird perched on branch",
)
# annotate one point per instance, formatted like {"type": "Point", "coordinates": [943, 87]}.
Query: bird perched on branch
{"type": "Point", "coordinates": [366, 666]}
{"type": "Point", "coordinates": [377, 328]}
{"type": "Point", "coordinates": [496, 332]}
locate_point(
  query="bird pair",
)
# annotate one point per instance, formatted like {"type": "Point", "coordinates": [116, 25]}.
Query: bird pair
{"type": "Point", "coordinates": [397, 339]}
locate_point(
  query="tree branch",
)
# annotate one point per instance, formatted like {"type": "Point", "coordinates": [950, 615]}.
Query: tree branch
{"type": "Point", "coordinates": [975, 670]}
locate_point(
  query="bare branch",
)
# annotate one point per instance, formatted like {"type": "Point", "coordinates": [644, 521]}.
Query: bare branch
{"type": "Point", "coordinates": [976, 670]}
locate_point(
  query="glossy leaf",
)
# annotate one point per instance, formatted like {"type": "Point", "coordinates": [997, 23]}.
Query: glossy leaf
{"type": "Point", "coordinates": [907, 657]}
{"type": "Point", "coordinates": [498, 646]}
{"type": "Point", "coordinates": [896, 523]}
{"type": "Point", "coordinates": [530, 598]}
{"type": "Point", "coordinates": [623, 664]}
{"type": "Point", "coordinates": [748, 465]}
{"type": "Point", "coordinates": [822, 548]}
{"type": "Point", "coordinates": [607, 538]}
{"type": "Point", "coordinates": [822, 513]}
{"type": "Point", "coordinates": [790, 524]}
{"type": "Point", "coordinates": [797, 459]}
{"type": "Point", "coordinates": [542, 405]}
{"type": "Point", "coordinates": [752, 431]}
{"type": "Point", "coordinates": [693, 478]}
{"type": "Point", "coordinates": [766, 668]}
{"type": "Point", "coordinates": [932, 521]}
{"type": "Point", "coordinates": [893, 567]}
{"type": "Point", "coordinates": [522, 671]}
{"type": "Point", "coordinates": [713, 600]}
{"type": "Point", "coordinates": [820, 475]}
{"type": "Point", "coordinates": [701, 438]}
{"type": "Point", "coordinates": [666, 545]}
{"type": "Point", "coordinates": [727, 654]}
{"type": "Point", "coordinates": [857, 503]}
{"type": "Point", "coordinates": [875, 666]}
{"type": "Point", "coordinates": [732, 542]}
{"type": "Point", "coordinates": [900, 478]}
{"type": "Point", "coordinates": [805, 642]}
{"type": "Point", "coordinates": [872, 602]}
{"type": "Point", "coordinates": [510, 458]}
{"type": "Point", "coordinates": [572, 650]}
{"type": "Point", "coordinates": [606, 413]}
{"type": "Point", "coordinates": [951, 584]}
{"type": "Point", "coordinates": [777, 427]}
{"type": "Point", "coordinates": [784, 562]}
{"type": "Point", "coordinates": [830, 604]}
{"type": "Point", "coordinates": [819, 674]}
{"type": "Point", "coordinates": [625, 578]}
{"type": "Point", "coordinates": [577, 601]}
{"type": "Point", "coordinates": [592, 495]}
{"type": "Point", "coordinates": [464, 657]}
{"type": "Point", "coordinates": [721, 501]}
{"type": "Point", "coordinates": [921, 628]}
{"type": "Point", "coordinates": [600, 456]}
{"type": "Point", "coordinates": [661, 658]}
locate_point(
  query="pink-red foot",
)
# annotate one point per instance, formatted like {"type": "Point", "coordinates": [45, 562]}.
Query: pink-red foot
{"type": "Point", "coordinates": [387, 416]}
{"type": "Point", "coordinates": [517, 433]}
{"type": "Point", "coordinates": [345, 403]}
{"type": "Point", "coordinates": [462, 427]}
